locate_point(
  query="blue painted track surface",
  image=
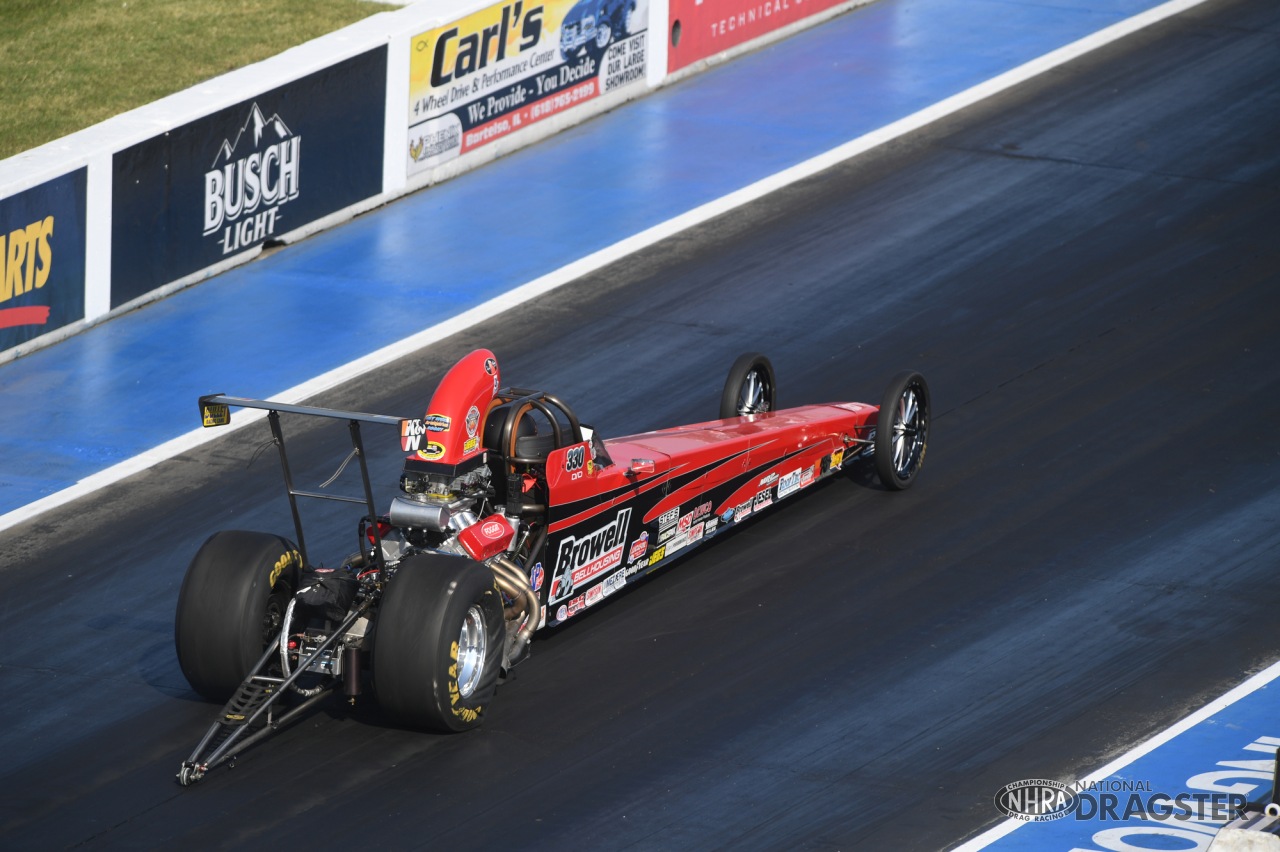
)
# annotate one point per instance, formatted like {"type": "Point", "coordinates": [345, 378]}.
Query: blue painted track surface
{"type": "Point", "coordinates": [130, 384]}
{"type": "Point", "coordinates": [1230, 752]}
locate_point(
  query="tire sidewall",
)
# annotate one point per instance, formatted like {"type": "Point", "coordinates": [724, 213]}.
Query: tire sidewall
{"type": "Point", "coordinates": [223, 603]}
{"type": "Point", "coordinates": [415, 656]}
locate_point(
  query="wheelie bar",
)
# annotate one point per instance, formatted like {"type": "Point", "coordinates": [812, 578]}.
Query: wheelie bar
{"type": "Point", "coordinates": [257, 695]}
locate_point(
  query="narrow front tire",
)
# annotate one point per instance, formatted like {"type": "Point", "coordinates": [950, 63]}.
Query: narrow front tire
{"type": "Point", "coordinates": [750, 387]}
{"type": "Point", "coordinates": [902, 430]}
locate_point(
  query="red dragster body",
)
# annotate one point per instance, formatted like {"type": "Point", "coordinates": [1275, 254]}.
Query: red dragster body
{"type": "Point", "coordinates": [513, 517]}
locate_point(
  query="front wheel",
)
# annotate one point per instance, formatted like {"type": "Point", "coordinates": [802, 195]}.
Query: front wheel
{"type": "Point", "coordinates": [902, 431]}
{"type": "Point", "coordinates": [750, 387]}
{"type": "Point", "coordinates": [231, 605]}
{"type": "Point", "coordinates": [438, 644]}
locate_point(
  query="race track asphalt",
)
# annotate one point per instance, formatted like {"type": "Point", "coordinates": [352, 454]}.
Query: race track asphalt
{"type": "Point", "coordinates": [1086, 269]}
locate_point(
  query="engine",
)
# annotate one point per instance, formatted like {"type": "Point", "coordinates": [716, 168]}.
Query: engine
{"type": "Point", "coordinates": [446, 482]}
{"type": "Point", "coordinates": [437, 506]}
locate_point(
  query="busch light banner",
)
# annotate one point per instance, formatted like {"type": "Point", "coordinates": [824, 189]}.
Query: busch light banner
{"type": "Point", "coordinates": [515, 63]}
{"type": "Point", "coordinates": [42, 259]}
{"type": "Point", "coordinates": [230, 181]}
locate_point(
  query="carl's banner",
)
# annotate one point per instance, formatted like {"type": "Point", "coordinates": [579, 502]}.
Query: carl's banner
{"type": "Point", "coordinates": [516, 63]}
{"type": "Point", "coordinates": [230, 181]}
{"type": "Point", "coordinates": [42, 259]}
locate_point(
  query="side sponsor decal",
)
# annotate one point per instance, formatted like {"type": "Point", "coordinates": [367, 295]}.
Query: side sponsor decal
{"type": "Point", "coordinates": [762, 499]}
{"type": "Point", "coordinates": [411, 432]}
{"type": "Point", "coordinates": [231, 180]}
{"type": "Point", "coordinates": [42, 258]}
{"type": "Point", "coordinates": [608, 586]}
{"type": "Point", "coordinates": [639, 547]}
{"type": "Point", "coordinates": [614, 582]}
{"type": "Point", "coordinates": [677, 543]}
{"type": "Point", "coordinates": [431, 451]}
{"type": "Point", "coordinates": [581, 559]}
{"type": "Point", "coordinates": [789, 484]}
{"type": "Point", "coordinates": [513, 64]}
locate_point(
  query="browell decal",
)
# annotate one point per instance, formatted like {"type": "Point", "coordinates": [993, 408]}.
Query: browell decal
{"type": "Point", "coordinates": [581, 559]}
{"type": "Point", "coordinates": [42, 258]}
{"type": "Point", "coordinates": [514, 63]}
{"type": "Point", "coordinates": [253, 171]}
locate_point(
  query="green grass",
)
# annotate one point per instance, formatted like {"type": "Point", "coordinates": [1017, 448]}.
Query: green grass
{"type": "Point", "coordinates": [68, 64]}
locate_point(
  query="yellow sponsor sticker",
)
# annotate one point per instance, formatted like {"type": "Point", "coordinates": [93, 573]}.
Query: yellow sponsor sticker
{"type": "Point", "coordinates": [215, 414]}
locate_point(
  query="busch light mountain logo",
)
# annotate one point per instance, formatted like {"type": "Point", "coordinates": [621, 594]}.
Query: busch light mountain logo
{"type": "Point", "coordinates": [253, 175]}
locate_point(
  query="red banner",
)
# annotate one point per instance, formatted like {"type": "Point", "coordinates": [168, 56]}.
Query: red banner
{"type": "Point", "coordinates": [703, 28]}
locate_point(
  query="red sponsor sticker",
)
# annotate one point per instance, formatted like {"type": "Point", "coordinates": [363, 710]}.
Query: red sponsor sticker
{"type": "Point", "coordinates": [639, 547]}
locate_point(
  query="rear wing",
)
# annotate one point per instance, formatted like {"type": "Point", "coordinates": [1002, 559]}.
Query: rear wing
{"type": "Point", "coordinates": [215, 410]}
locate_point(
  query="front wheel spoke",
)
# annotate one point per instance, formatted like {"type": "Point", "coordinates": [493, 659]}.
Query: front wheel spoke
{"type": "Point", "coordinates": [750, 394]}
{"type": "Point", "coordinates": [909, 407]}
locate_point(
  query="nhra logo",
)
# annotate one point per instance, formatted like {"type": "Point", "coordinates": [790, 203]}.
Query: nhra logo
{"type": "Point", "coordinates": [243, 194]}
{"type": "Point", "coordinates": [581, 559]}
{"type": "Point", "coordinates": [1038, 799]}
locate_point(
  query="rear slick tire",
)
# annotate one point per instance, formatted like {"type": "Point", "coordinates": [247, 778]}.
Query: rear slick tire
{"type": "Point", "coordinates": [231, 605]}
{"type": "Point", "coordinates": [439, 642]}
{"type": "Point", "coordinates": [902, 430]}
